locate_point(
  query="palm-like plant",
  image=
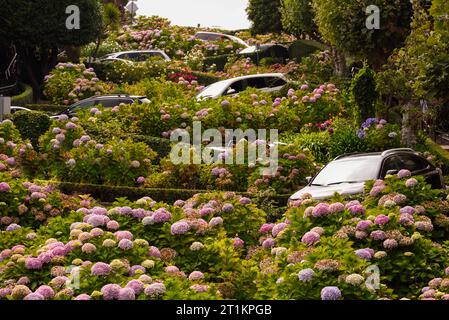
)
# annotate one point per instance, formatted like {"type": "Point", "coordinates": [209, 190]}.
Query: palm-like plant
{"type": "Point", "coordinates": [111, 16]}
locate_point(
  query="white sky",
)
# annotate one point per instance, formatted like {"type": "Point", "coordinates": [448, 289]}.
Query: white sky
{"type": "Point", "coordinates": [228, 14]}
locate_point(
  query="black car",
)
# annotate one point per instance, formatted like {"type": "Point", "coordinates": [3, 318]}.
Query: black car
{"type": "Point", "coordinates": [107, 101]}
{"type": "Point", "coordinates": [348, 173]}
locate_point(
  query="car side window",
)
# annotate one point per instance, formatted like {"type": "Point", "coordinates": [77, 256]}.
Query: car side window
{"type": "Point", "coordinates": [83, 105]}
{"type": "Point", "coordinates": [258, 83]}
{"type": "Point", "coordinates": [239, 86]}
{"type": "Point", "coordinates": [391, 163]}
{"type": "Point", "coordinates": [413, 163]}
{"type": "Point", "coordinates": [109, 103]}
{"type": "Point", "coordinates": [273, 82]}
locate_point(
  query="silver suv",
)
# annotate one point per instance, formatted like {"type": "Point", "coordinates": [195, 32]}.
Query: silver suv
{"type": "Point", "coordinates": [348, 173]}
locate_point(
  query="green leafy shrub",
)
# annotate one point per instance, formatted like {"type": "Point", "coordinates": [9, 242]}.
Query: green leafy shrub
{"type": "Point", "coordinates": [363, 90]}
{"type": "Point", "coordinates": [25, 97]}
{"type": "Point", "coordinates": [69, 83]}
{"type": "Point", "coordinates": [31, 125]}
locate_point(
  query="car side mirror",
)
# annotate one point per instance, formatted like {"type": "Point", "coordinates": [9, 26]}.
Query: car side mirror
{"type": "Point", "coordinates": [231, 91]}
{"type": "Point", "coordinates": [392, 172]}
{"type": "Point", "coordinates": [308, 179]}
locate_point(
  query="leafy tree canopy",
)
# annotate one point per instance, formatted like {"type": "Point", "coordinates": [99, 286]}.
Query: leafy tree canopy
{"type": "Point", "coordinates": [265, 16]}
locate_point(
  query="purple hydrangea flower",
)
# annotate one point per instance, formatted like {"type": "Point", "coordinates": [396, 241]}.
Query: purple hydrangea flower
{"type": "Point", "coordinates": [310, 238]}
{"type": "Point", "coordinates": [238, 243]}
{"type": "Point", "coordinates": [390, 244]}
{"type": "Point", "coordinates": [363, 225]}
{"type": "Point", "coordinates": [180, 227]}
{"type": "Point", "coordinates": [154, 252]}
{"type": "Point", "coordinates": [34, 296]}
{"type": "Point", "coordinates": [155, 289]}
{"type": "Point", "coordinates": [161, 215]}
{"type": "Point", "coordinates": [126, 294]}
{"type": "Point", "coordinates": [378, 235]}
{"type": "Point", "coordinates": [364, 254]}
{"type": "Point", "coordinates": [278, 228]}
{"type": "Point", "coordinates": [245, 201]}
{"type": "Point", "coordinates": [125, 244]}
{"type": "Point", "coordinates": [306, 275]}
{"type": "Point", "coordinates": [330, 293]}
{"type": "Point", "coordinates": [266, 227]}
{"type": "Point", "coordinates": [321, 210]}
{"type": "Point", "coordinates": [33, 264]}
{"type": "Point", "coordinates": [269, 243]}
{"type": "Point", "coordinates": [196, 275]}
{"type": "Point", "coordinates": [336, 207]}
{"type": "Point", "coordinates": [404, 174]}
{"type": "Point", "coordinates": [4, 187]}
{"type": "Point", "coordinates": [136, 285]}
{"type": "Point", "coordinates": [46, 291]}
{"type": "Point", "coordinates": [381, 219]}
{"type": "Point", "coordinates": [357, 209]}
{"type": "Point", "coordinates": [227, 207]}
{"type": "Point", "coordinates": [101, 269]}
{"type": "Point", "coordinates": [133, 269]}
{"type": "Point", "coordinates": [83, 297]}
{"type": "Point", "coordinates": [110, 291]}
{"type": "Point", "coordinates": [215, 221]}
{"type": "Point", "coordinates": [13, 227]}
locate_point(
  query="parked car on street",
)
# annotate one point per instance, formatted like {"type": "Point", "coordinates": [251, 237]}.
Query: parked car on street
{"type": "Point", "coordinates": [135, 56]}
{"type": "Point", "coordinates": [268, 82]}
{"type": "Point", "coordinates": [15, 109]}
{"type": "Point", "coordinates": [275, 51]}
{"type": "Point", "coordinates": [348, 173]}
{"type": "Point", "coordinates": [214, 36]}
{"type": "Point", "coordinates": [107, 101]}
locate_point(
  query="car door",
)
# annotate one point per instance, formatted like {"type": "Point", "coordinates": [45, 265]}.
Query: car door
{"type": "Point", "coordinates": [419, 166]}
{"type": "Point", "coordinates": [236, 87]}
{"type": "Point", "coordinates": [109, 103]}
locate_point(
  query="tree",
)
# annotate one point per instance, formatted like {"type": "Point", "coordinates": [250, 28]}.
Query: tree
{"type": "Point", "coordinates": [110, 21]}
{"type": "Point", "coordinates": [364, 94]}
{"type": "Point", "coordinates": [38, 29]}
{"type": "Point", "coordinates": [343, 25]}
{"type": "Point", "coordinates": [265, 16]}
{"type": "Point", "coordinates": [298, 18]}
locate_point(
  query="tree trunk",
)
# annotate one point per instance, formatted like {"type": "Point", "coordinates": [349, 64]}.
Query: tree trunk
{"type": "Point", "coordinates": [339, 62]}
{"type": "Point", "coordinates": [409, 137]}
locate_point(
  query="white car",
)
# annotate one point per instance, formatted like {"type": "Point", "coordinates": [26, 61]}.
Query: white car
{"type": "Point", "coordinates": [214, 36]}
{"type": "Point", "coordinates": [135, 56]}
{"type": "Point", "coordinates": [268, 82]}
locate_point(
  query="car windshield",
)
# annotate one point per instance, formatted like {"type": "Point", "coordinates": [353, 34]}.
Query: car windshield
{"type": "Point", "coordinates": [212, 90]}
{"type": "Point", "coordinates": [348, 171]}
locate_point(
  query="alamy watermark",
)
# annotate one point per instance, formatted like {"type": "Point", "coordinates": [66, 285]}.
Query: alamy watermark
{"type": "Point", "coordinates": [373, 19]}
{"type": "Point", "coordinates": [239, 147]}
{"type": "Point", "coordinates": [73, 21]}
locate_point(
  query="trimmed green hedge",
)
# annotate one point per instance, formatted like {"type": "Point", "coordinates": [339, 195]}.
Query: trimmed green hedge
{"type": "Point", "coordinates": [25, 97]}
{"type": "Point", "coordinates": [159, 145]}
{"type": "Point", "coordinates": [48, 108]}
{"type": "Point", "coordinates": [218, 61]}
{"type": "Point", "coordinates": [106, 193]}
{"type": "Point", "coordinates": [206, 78]}
{"type": "Point", "coordinates": [31, 125]}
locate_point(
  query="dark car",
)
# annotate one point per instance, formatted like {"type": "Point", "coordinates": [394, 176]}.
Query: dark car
{"type": "Point", "coordinates": [107, 101]}
{"type": "Point", "coordinates": [348, 173]}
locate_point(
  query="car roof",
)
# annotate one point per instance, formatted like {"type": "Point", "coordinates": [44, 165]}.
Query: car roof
{"type": "Point", "coordinates": [108, 96]}
{"type": "Point", "coordinates": [139, 51]}
{"type": "Point", "coordinates": [383, 154]}
{"type": "Point", "coordinates": [232, 80]}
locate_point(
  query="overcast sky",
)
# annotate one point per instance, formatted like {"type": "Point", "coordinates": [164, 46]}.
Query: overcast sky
{"type": "Point", "coordinates": [228, 14]}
